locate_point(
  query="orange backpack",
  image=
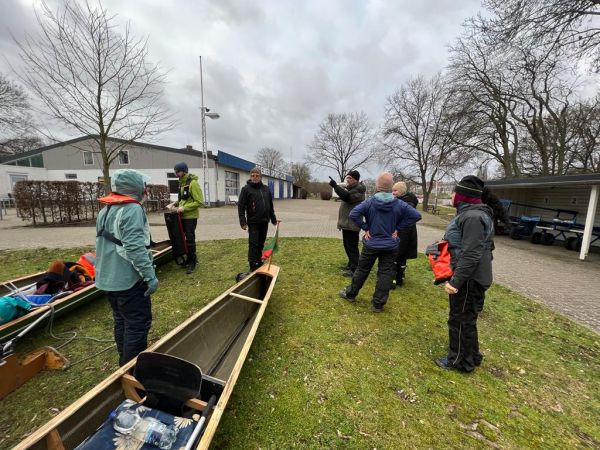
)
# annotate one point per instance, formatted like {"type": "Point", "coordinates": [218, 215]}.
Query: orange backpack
{"type": "Point", "coordinates": [439, 260]}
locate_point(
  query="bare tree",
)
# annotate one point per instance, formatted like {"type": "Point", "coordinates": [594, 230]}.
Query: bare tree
{"type": "Point", "coordinates": [418, 133]}
{"type": "Point", "coordinates": [301, 174]}
{"type": "Point", "coordinates": [14, 109]}
{"type": "Point", "coordinates": [543, 99]}
{"type": "Point", "coordinates": [21, 144]}
{"type": "Point", "coordinates": [271, 160]}
{"type": "Point", "coordinates": [541, 23]}
{"type": "Point", "coordinates": [585, 118]}
{"type": "Point", "coordinates": [93, 79]}
{"type": "Point", "coordinates": [483, 98]}
{"type": "Point", "coordinates": [344, 142]}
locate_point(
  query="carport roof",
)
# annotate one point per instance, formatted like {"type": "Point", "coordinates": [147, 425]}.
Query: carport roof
{"type": "Point", "coordinates": [555, 180]}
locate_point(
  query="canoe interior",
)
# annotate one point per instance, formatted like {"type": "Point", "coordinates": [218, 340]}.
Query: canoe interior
{"type": "Point", "coordinates": [215, 339]}
{"type": "Point", "coordinates": [161, 252]}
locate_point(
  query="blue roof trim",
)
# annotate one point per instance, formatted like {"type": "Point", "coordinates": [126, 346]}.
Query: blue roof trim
{"type": "Point", "coordinates": [229, 160]}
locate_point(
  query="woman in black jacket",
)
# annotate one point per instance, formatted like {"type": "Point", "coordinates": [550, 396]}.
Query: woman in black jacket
{"type": "Point", "coordinates": [408, 238]}
{"type": "Point", "coordinates": [470, 243]}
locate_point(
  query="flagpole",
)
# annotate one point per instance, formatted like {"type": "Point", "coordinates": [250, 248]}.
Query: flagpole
{"type": "Point", "coordinates": [271, 255]}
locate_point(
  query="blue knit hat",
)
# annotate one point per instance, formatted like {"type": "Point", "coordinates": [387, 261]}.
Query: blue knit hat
{"type": "Point", "coordinates": [181, 166]}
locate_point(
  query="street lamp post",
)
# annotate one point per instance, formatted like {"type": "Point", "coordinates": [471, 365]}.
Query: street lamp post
{"type": "Point", "coordinates": [211, 115]}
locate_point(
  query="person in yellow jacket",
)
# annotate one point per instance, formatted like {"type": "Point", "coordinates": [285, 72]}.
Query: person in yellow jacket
{"type": "Point", "coordinates": [190, 199]}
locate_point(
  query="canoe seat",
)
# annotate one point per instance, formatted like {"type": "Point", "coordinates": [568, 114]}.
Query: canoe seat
{"type": "Point", "coordinates": [168, 381]}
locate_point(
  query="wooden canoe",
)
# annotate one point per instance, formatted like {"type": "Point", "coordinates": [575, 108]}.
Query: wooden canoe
{"type": "Point", "coordinates": [161, 252]}
{"type": "Point", "coordinates": [217, 339]}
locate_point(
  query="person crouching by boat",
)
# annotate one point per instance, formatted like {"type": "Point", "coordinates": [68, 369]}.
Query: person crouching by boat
{"type": "Point", "coordinates": [469, 237]}
{"type": "Point", "coordinates": [255, 209]}
{"type": "Point", "coordinates": [381, 217]}
{"type": "Point", "coordinates": [407, 249]}
{"type": "Point", "coordinates": [189, 200]}
{"type": "Point", "coordinates": [124, 266]}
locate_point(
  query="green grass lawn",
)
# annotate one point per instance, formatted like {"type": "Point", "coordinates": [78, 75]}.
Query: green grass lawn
{"type": "Point", "coordinates": [324, 373]}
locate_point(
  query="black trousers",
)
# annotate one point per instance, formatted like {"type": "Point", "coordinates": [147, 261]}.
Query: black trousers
{"type": "Point", "coordinates": [351, 247]}
{"type": "Point", "coordinates": [465, 307]}
{"type": "Point", "coordinates": [257, 234]}
{"type": "Point", "coordinates": [385, 273]}
{"type": "Point", "coordinates": [132, 314]}
{"type": "Point", "coordinates": [400, 268]}
{"type": "Point", "coordinates": [189, 228]}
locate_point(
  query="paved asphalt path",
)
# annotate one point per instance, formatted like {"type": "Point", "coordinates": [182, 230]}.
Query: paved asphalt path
{"type": "Point", "coordinates": [550, 275]}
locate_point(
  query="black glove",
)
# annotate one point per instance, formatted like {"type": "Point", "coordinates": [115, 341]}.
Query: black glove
{"type": "Point", "coordinates": [332, 183]}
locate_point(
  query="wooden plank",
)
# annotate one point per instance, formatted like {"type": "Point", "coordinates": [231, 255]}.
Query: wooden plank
{"type": "Point", "coordinates": [130, 384]}
{"type": "Point", "coordinates": [54, 441]}
{"type": "Point", "coordinates": [244, 297]}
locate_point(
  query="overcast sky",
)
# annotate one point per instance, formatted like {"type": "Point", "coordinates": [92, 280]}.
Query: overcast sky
{"type": "Point", "coordinates": [274, 69]}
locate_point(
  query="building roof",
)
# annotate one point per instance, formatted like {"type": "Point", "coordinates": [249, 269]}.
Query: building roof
{"type": "Point", "coordinates": [548, 181]}
{"type": "Point", "coordinates": [37, 151]}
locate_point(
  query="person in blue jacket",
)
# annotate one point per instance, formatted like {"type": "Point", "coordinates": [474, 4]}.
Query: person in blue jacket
{"type": "Point", "coordinates": [124, 267]}
{"type": "Point", "coordinates": [381, 217]}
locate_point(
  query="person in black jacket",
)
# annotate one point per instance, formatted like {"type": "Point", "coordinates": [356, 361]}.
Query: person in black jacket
{"type": "Point", "coordinates": [469, 237]}
{"type": "Point", "coordinates": [407, 248]}
{"type": "Point", "coordinates": [351, 195]}
{"type": "Point", "coordinates": [255, 208]}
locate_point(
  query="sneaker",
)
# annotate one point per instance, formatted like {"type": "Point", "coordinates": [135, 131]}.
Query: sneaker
{"type": "Point", "coordinates": [376, 309]}
{"type": "Point", "coordinates": [393, 286]}
{"type": "Point", "coordinates": [347, 273]}
{"type": "Point", "coordinates": [444, 363]}
{"type": "Point", "coordinates": [344, 294]}
{"type": "Point", "coordinates": [190, 268]}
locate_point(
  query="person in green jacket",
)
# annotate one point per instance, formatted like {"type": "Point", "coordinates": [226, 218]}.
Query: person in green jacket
{"type": "Point", "coordinates": [190, 199]}
{"type": "Point", "coordinates": [124, 267]}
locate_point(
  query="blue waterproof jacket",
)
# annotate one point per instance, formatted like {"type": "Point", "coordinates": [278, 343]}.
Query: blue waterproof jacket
{"type": "Point", "coordinates": [381, 215]}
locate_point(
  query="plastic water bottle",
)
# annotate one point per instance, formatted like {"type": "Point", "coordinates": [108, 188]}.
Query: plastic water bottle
{"type": "Point", "coordinates": [146, 429]}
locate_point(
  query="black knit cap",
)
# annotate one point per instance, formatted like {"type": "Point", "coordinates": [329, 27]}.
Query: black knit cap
{"type": "Point", "coordinates": [470, 186]}
{"type": "Point", "coordinates": [354, 174]}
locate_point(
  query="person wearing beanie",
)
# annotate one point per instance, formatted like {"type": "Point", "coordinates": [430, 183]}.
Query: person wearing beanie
{"type": "Point", "coordinates": [255, 210]}
{"type": "Point", "coordinates": [407, 249]}
{"type": "Point", "coordinates": [382, 217]}
{"type": "Point", "coordinates": [351, 194]}
{"type": "Point", "coordinates": [469, 237]}
{"type": "Point", "coordinates": [190, 198]}
{"type": "Point", "coordinates": [124, 266]}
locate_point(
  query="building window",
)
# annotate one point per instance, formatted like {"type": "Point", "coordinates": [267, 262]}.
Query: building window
{"type": "Point", "coordinates": [37, 161]}
{"type": "Point", "coordinates": [173, 183]}
{"type": "Point", "coordinates": [124, 157]}
{"type": "Point", "coordinates": [70, 176]}
{"type": "Point", "coordinates": [232, 183]}
{"type": "Point", "coordinates": [88, 159]}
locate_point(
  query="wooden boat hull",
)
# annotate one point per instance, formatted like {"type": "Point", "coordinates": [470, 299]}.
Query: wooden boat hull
{"type": "Point", "coordinates": [162, 254]}
{"type": "Point", "coordinates": [217, 339]}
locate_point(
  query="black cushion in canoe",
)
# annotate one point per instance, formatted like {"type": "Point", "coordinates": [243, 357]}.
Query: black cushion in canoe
{"type": "Point", "coordinates": [169, 381]}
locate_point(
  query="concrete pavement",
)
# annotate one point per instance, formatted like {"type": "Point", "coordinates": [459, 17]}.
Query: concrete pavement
{"type": "Point", "coordinates": [550, 275]}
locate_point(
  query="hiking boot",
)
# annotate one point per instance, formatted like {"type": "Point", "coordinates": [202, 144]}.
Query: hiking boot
{"type": "Point", "coordinates": [347, 273]}
{"type": "Point", "coordinates": [344, 294]}
{"type": "Point", "coordinates": [190, 268]}
{"type": "Point", "coordinates": [376, 309]}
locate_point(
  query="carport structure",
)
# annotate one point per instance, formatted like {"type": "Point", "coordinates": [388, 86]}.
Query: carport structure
{"type": "Point", "coordinates": [543, 195]}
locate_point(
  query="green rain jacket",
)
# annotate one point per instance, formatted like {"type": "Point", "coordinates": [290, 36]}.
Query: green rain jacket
{"type": "Point", "coordinates": [190, 196]}
{"type": "Point", "coordinates": [118, 268]}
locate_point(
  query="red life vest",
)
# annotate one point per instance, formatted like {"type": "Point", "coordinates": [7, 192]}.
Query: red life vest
{"type": "Point", "coordinates": [439, 260]}
{"type": "Point", "coordinates": [115, 198]}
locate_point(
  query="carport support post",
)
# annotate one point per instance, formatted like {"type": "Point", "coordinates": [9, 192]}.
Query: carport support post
{"type": "Point", "coordinates": [589, 222]}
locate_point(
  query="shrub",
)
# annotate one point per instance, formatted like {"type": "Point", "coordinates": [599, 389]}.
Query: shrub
{"type": "Point", "coordinates": [63, 202]}
{"type": "Point", "coordinates": [326, 195]}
